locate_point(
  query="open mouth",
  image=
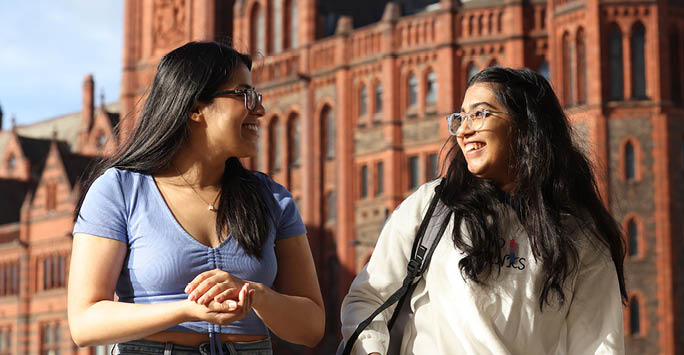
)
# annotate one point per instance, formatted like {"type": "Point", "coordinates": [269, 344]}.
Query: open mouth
{"type": "Point", "coordinates": [474, 147]}
{"type": "Point", "coordinates": [254, 128]}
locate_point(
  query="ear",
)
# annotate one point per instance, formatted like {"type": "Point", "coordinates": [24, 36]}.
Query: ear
{"type": "Point", "coordinates": [196, 113]}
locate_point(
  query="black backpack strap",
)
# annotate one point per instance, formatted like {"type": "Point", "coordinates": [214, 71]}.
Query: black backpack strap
{"type": "Point", "coordinates": [421, 253]}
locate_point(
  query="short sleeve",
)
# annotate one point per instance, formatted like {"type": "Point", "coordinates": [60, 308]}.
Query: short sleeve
{"type": "Point", "coordinates": [103, 212]}
{"type": "Point", "coordinates": [288, 221]}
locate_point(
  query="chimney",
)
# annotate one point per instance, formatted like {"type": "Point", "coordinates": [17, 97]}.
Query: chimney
{"type": "Point", "coordinates": [88, 103]}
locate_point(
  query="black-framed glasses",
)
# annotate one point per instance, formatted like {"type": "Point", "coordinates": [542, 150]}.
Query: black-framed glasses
{"type": "Point", "coordinates": [252, 97]}
{"type": "Point", "coordinates": [475, 120]}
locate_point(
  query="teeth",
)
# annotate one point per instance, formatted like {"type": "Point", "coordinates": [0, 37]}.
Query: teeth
{"type": "Point", "coordinates": [252, 127]}
{"type": "Point", "coordinates": [473, 146]}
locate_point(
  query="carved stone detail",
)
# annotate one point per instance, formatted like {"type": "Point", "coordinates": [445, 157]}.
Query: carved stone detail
{"type": "Point", "coordinates": [169, 23]}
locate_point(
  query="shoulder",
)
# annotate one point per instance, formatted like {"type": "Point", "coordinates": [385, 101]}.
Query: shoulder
{"type": "Point", "coordinates": [272, 187]}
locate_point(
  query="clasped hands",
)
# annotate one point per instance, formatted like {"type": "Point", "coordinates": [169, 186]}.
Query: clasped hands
{"type": "Point", "coordinates": [218, 297]}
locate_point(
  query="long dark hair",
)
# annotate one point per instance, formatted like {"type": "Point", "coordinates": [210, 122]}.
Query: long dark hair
{"type": "Point", "coordinates": [185, 76]}
{"type": "Point", "coordinates": [552, 177]}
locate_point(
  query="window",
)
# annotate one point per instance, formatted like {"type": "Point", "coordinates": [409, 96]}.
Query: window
{"type": "Point", "coordinates": [364, 181]}
{"type": "Point", "coordinates": [50, 196]}
{"type": "Point", "coordinates": [258, 40]}
{"type": "Point", "coordinates": [378, 98]}
{"type": "Point", "coordinates": [331, 206]}
{"type": "Point", "coordinates": [615, 63]}
{"type": "Point", "coordinates": [49, 338]}
{"type": "Point", "coordinates": [328, 124]}
{"type": "Point", "coordinates": [363, 98]}
{"type": "Point", "coordinates": [54, 272]}
{"type": "Point", "coordinates": [638, 61]}
{"type": "Point", "coordinates": [480, 19]}
{"type": "Point", "coordinates": [676, 68]}
{"type": "Point", "coordinates": [634, 320]}
{"type": "Point", "coordinates": [543, 18]}
{"type": "Point", "coordinates": [12, 162]}
{"type": "Point", "coordinates": [581, 68]}
{"type": "Point", "coordinates": [431, 92]}
{"type": "Point", "coordinates": [9, 279]}
{"type": "Point", "coordinates": [471, 19]}
{"type": "Point", "coordinates": [630, 164]}
{"type": "Point", "coordinates": [101, 140]}
{"type": "Point", "coordinates": [293, 22]}
{"type": "Point", "coordinates": [412, 90]}
{"type": "Point", "coordinates": [472, 70]}
{"type": "Point", "coordinates": [567, 70]}
{"type": "Point", "coordinates": [6, 340]}
{"type": "Point", "coordinates": [413, 167]}
{"type": "Point", "coordinates": [632, 238]}
{"type": "Point", "coordinates": [499, 23]}
{"type": "Point", "coordinates": [490, 23]}
{"type": "Point", "coordinates": [274, 145]}
{"type": "Point", "coordinates": [433, 166]}
{"type": "Point", "coordinates": [294, 134]}
{"type": "Point", "coordinates": [380, 179]}
{"type": "Point", "coordinates": [277, 27]}
{"type": "Point", "coordinates": [544, 70]}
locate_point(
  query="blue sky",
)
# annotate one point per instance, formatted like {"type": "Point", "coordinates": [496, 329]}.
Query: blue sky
{"type": "Point", "coordinates": [48, 46]}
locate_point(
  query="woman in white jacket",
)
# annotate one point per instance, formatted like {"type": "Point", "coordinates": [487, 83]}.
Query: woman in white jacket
{"type": "Point", "coordinates": [535, 263]}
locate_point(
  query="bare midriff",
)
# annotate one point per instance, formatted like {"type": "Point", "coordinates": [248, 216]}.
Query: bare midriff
{"type": "Point", "coordinates": [195, 339]}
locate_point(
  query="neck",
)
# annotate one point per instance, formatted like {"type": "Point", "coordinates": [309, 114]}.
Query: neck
{"type": "Point", "coordinates": [197, 170]}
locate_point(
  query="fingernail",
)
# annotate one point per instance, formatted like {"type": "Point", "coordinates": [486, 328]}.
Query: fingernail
{"type": "Point", "coordinates": [191, 297]}
{"type": "Point", "coordinates": [187, 288]}
{"type": "Point", "coordinates": [231, 304]}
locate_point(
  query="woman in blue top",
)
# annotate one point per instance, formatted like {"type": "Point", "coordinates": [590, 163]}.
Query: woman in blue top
{"type": "Point", "coordinates": [204, 255]}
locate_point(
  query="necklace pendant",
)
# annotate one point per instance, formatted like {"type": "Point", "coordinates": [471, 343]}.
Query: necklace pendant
{"type": "Point", "coordinates": [211, 208]}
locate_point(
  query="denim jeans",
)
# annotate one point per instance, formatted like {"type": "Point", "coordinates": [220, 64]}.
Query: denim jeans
{"type": "Point", "coordinates": [147, 347]}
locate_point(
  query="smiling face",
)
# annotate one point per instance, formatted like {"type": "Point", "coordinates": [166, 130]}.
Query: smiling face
{"type": "Point", "coordinates": [231, 129]}
{"type": "Point", "coordinates": [486, 150]}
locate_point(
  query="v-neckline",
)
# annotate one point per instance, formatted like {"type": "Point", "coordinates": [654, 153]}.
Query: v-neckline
{"type": "Point", "coordinates": [169, 214]}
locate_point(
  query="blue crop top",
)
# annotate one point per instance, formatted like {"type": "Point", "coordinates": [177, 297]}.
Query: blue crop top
{"type": "Point", "coordinates": [162, 257]}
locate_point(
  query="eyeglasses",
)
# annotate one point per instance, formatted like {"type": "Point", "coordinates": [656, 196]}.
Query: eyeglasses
{"type": "Point", "coordinates": [474, 120]}
{"type": "Point", "coordinates": [252, 97]}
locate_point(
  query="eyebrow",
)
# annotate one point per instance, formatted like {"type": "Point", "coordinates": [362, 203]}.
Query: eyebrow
{"type": "Point", "coordinates": [244, 86]}
{"type": "Point", "coordinates": [482, 103]}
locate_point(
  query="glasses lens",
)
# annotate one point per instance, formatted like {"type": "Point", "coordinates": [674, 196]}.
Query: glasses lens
{"type": "Point", "coordinates": [250, 100]}
{"type": "Point", "coordinates": [454, 121]}
{"type": "Point", "coordinates": [477, 119]}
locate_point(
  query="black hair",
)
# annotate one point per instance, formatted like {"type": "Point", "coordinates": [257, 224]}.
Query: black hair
{"type": "Point", "coordinates": [185, 76]}
{"type": "Point", "coordinates": [552, 178]}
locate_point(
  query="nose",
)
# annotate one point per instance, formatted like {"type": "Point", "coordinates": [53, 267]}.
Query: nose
{"type": "Point", "coordinates": [259, 111]}
{"type": "Point", "coordinates": [464, 129]}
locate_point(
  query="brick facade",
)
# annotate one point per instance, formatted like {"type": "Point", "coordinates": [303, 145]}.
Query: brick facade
{"type": "Point", "coordinates": [355, 116]}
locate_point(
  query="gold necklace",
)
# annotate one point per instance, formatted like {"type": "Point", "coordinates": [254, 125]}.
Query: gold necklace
{"type": "Point", "coordinates": [210, 206]}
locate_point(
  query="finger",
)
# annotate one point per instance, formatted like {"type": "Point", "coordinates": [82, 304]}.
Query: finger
{"type": "Point", "coordinates": [203, 287]}
{"type": "Point", "coordinates": [198, 279]}
{"type": "Point", "coordinates": [213, 292]}
{"type": "Point", "coordinates": [231, 293]}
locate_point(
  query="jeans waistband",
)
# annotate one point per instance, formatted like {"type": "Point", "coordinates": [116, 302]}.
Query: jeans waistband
{"type": "Point", "coordinates": [258, 347]}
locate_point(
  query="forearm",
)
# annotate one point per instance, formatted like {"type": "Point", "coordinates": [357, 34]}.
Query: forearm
{"type": "Point", "coordinates": [107, 322]}
{"type": "Point", "coordinates": [295, 319]}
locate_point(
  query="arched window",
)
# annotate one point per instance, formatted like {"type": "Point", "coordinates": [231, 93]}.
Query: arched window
{"type": "Point", "coordinates": [363, 99]}
{"type": "Point", "coordinates": [632, 238]}
{"type": "Point", "coordinates": [294, 135]}
{"type": "Point", "coordinates": [493, 63]}
{"type": "Point", "coordinates": [412, 90]}
{"type": "Point", "coordinates": [630, 164]}
{"type": "Point", "coordinates": [274, 145]}
{"type": "Point", "coordinates": [581, 67]}
{"type": "Point", "coordinates": [615, 63]}
{"type": "Point", "coordinates": [11, 163]}
{"type": "Point", "coordinates": [431, 92]}
{"type": "Point", "coordinates": [277, 28]}
{"type": "Point", "coordinates": [291, 23]}
{"type": "Point", "coordinates": [378, 98]}
{"type": "Point", "coordinates": [471, 19]}
{"type": "Point", "coordinates": [544, 70]}
{"type": "Point", "coordinates": [490, 23]}
{"type": "Point", "coordinates": [499, 23]}
{"type": "Point", "coordinates": [634, 316]}
{"type": "Point", "coordinates": [676, 67]}
{"type": "Point", "coordinates": [567, 70]}
{"type": "Point", "coordinates": [472, 70]}
{"type": "Point", "coordinates": [101, 140]}
{"type": "Point", "coordinates": [328, 124]}
{"type": "Point", "coordinates": [637, 46]}
{"type": "Point", "coordinates": [258, 40]}
{"type": "Point", "coordinates": [480, 20]}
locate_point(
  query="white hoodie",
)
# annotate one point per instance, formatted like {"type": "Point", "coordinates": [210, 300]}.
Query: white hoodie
{"type": "Point", "coordinates": [453, 316]}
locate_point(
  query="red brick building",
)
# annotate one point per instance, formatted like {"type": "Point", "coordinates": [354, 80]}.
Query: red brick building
{"type": "Point", "coordinates": [355, 121]}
